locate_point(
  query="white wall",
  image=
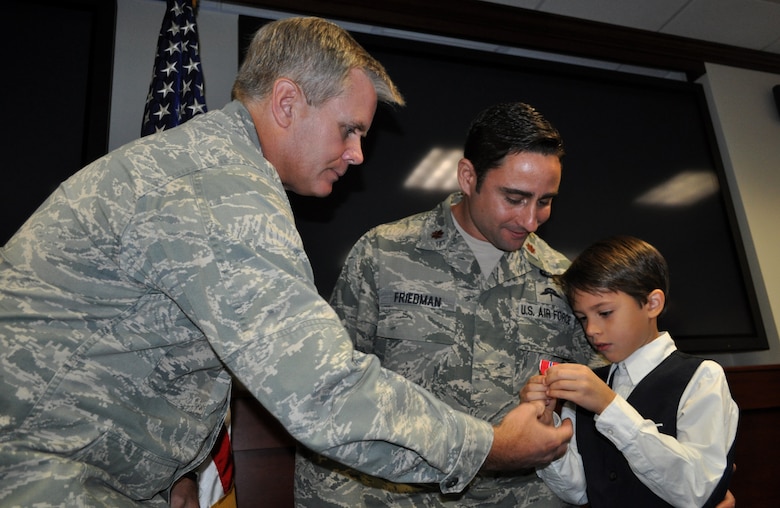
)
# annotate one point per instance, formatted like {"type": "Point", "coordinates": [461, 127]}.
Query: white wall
{"type": "Point", "coordinates": [747, 126]}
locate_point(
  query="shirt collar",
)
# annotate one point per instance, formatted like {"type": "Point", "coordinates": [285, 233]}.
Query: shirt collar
{"type": "Point", "coordinates": [646, 358]}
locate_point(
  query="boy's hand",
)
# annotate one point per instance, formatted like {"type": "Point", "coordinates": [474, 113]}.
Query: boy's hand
{"type": "Point", "coordinates": [579, 384]}
{"type": "Point", "coordinates": [535, 392]}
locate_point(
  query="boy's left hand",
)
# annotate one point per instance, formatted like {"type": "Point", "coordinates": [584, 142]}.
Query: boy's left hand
{"type": "Point", "coordinates": [579, 384]}
{"type": "Point", "coordinates": [534, 392]}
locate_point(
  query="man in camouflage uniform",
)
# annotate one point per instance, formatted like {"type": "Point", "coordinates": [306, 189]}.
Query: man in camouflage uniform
{"type": "Point", "coordinates": [146, 278]}
{"type": "Point", "coordinates": [460, 300]}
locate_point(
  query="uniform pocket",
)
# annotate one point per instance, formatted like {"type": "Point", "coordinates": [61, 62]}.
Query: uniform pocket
{"type": "Point", "coordinates": [134, 471]}
{"type": "Point", "coordinates": [417, 337]}
{"type": "Point", "coordinates": [191, 378]}
{"type": "Point", "coordinates": [421, 315]}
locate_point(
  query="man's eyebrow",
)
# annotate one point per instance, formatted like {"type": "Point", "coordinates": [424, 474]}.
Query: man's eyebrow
{"type": "Point", "coordinates": [517, 192]}
{"type": "Point", "coordinates": [525, 193]}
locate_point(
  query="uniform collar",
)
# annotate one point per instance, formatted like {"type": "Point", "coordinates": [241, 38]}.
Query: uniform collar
{"type": "Point", "coordinates": [439, 233]}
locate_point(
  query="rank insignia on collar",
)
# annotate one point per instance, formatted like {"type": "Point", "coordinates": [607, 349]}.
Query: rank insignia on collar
{"type": "Point", "coordinates": [437, 234]}
{"type": "Point", "coordinates": [530, 247]}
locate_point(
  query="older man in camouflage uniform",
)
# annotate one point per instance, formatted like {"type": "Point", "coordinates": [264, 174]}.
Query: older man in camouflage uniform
{"type": "Point", "coordinates": [145, 279]}
{"type": "Point", "coordinates": [461, 301]}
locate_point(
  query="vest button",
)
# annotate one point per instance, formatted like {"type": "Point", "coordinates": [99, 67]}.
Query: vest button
{"type": "Point", "coordinates": [612, 476]}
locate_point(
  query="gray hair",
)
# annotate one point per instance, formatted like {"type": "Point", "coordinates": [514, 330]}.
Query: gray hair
{"type": "Point", "coordinates": [314, 53]}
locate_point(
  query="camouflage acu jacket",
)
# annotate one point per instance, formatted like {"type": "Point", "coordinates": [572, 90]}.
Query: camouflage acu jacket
{"type": "Point", "coordinates": [139, 284]}
{"type": "Point", "coordinates": [412, 293]}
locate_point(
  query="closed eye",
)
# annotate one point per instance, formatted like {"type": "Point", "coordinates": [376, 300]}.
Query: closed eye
{"type": "Point", "coordinates": [516, 202]}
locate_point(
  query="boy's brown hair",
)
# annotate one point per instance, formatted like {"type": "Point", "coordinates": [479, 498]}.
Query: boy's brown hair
{"type": "Point", "coordinates": [619, 263]}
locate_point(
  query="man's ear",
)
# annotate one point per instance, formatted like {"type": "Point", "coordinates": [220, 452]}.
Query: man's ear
{"type": "Point", "coordinates": [655, 302]}
{"type": "Point", "coordinates": [284, 96]}
{"type": "Point", "coordinates": [467, 177]}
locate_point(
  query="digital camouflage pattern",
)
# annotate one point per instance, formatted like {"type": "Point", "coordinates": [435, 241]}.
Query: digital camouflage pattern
{"type": "Point", "coordinates": [141, 282]}
{"type": "Point", "coordinates": [412, 293]}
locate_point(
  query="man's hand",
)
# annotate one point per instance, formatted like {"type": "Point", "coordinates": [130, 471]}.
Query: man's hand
{"type": "Point", "coordinates": [184, 494]}
{"type": "Point", "coordinates": [522, 441]}
{"type": "Point", "coordinates": [728, 502]}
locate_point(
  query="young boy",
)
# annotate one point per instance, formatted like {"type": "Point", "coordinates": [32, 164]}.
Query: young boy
{"type": "Point", "coordinates": [657, 426]}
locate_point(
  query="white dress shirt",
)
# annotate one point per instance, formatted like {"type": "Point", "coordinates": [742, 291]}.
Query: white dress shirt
{"type": "Point", "coordinates": [684, 470]}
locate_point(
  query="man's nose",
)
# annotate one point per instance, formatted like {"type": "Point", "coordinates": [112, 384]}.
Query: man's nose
{"type": "Point", "coordinates": [529, 219]}
{"type": "Point", "coordinates": [354, 153]}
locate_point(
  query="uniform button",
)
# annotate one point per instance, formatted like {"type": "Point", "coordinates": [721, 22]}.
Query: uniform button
{"type": "Point", "coordinates": [452, 482]}
{"type": "Point", "coordinates": [612, 476]}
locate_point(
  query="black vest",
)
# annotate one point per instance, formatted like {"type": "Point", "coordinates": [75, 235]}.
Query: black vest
{"type": "Point", "coordinates": [610, 481]}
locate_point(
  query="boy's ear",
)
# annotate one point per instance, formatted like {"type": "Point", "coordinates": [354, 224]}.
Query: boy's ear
{"type": "Point", "coordinates": [655, 302]}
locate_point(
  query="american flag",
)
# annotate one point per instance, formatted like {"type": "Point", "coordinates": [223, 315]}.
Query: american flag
{"type": "Point", "coordinates": [176, 92]}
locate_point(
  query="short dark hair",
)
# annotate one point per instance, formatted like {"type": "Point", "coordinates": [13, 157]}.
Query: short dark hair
{"type": "Point", "coordinates": [507, 129]}
{"type": "Point", "coordinates": [618, 263]}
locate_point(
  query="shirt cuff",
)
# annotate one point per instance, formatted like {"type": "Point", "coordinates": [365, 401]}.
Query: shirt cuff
{"type": "Point", "coordinates": [473, 452]}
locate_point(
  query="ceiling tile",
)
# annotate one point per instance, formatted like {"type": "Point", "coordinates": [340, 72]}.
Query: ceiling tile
{"type": "Point", "coordinates": [643, 15]}
{"type": "Point", "coordinates": [753, 24]}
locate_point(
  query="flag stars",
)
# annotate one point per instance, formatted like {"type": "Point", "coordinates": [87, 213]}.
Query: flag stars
{"type": "Point", "coordinates": [189, 26]}
{"type": "Point", "coordinates": [193, 66]}
{"type": "Point", "coordinates": [196, 107]}
{"type": "Point", "coordinates": [169, 68]}
{"type": "Point", "coordinates": [176, 92]}
{"type": "Point", "coordinates": [162, 112]}
{"type": "Point", "coordinates": [166, 89]}
{"type": "Point", "coordinates": [174, 29]}
{"type": "Point", "coordinates": [173, 47]}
